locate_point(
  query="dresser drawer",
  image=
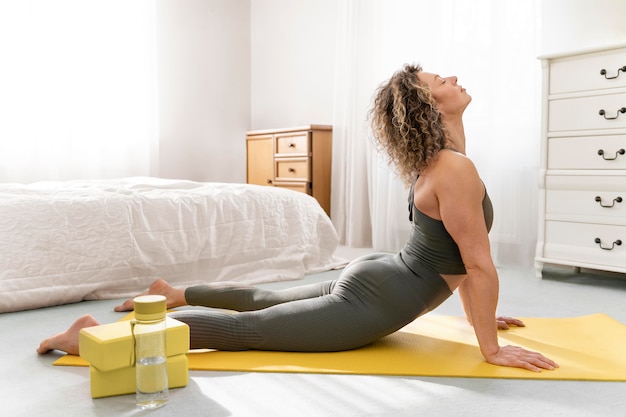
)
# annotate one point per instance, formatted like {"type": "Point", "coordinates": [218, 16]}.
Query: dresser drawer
{"type": "Point", "coordinates": [293, 144]}
{"type": "Point", "coordinates": [587, 152]}
{"type": "Point", "coordinates": [581, 195]}
{"type": "Point", "coordinates": [293, 169]}
{"type": "Point", "coordinates": [586, 243]}
{"type": "Point", "coordinates": [584, 72]}
{"type": "Point", "coordinates": [585, 203]}
{"type": "Point", "coordinates": [584, 113]}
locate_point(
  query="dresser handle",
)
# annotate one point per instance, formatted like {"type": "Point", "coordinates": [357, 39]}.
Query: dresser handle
{"type": "Point", "coordinates": [603, 72]}
{"type": "Point", "coordinates": [599, 242]}
{"type": "Point", "coordinates": [603, 113]}
{"type": "Point", "coordinates": [620, 152]}
{"type": "Point", "coordinates": [617, 199]}
{"type": "Point", "coordinates": [292, 145]}
{"type": "Point", "coordinates": [292, 170]}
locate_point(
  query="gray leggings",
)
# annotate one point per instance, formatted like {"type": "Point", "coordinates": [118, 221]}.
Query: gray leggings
{"type": "Point", "coordinates": [374, 296]}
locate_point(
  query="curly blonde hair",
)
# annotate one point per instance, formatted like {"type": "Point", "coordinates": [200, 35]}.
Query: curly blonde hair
{"type": "Point", "coordinates": [406, 123]}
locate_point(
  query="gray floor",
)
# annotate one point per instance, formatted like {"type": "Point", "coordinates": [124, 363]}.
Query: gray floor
{"type": "Point", "coordinates": [30, 385]}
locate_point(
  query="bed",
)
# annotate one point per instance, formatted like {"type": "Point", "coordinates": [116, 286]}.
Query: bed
{"type": "Point", "coordinates": [63, 242]}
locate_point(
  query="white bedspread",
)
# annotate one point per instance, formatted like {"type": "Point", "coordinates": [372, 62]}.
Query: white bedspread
{"type": "Point", "coordinates": [63, 242]}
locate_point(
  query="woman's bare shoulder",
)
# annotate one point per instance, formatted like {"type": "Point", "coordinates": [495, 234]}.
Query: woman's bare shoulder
{"type": "Point", "coordinates": [455, 164]}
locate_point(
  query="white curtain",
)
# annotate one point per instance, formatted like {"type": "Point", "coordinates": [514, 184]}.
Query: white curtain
{"type": "Point", "coordinates": [350, 204]}
{"type": "Point", "coordinates": [491, 45]}
{"type": "Point", "coordinates": [77, 89]}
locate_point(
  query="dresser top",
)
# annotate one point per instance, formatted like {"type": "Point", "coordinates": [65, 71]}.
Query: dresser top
{"type": "Point", "coordinates": [586, 50]}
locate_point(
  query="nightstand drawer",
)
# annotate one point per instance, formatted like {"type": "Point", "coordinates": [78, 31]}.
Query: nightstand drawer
{"type": "Point", "coordinates": [587, 152]}
{"type": "Point", "coordinates": [588, 113]}
{"type": "Point", "coordinates": [293, 169]}
{"type": "Point", "coordinates": [302, 187]}
{"type": "Point", "coordinates": [293, 144]}
{"type": "Point", "coordinates": [584, 72]}
{"type": "Point", "coordinates": [586, 243]}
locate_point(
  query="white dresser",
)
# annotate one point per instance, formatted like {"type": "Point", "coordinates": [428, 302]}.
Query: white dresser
{"type": "Point", "coordinates": [582, 199]}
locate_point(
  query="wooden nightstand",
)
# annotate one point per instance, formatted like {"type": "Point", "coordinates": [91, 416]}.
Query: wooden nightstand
{"type": "Point", "coordinates": [298, 158]}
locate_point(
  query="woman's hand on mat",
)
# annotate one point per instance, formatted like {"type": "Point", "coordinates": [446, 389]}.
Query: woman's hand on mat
{"type": "Point", "coordinates": [518, 357]}
{"type": "Point", "coordinates": [504, 323]}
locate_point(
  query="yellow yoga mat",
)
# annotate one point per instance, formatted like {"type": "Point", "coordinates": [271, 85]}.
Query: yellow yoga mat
{"type": "Point", "coordinates": [586, 348]}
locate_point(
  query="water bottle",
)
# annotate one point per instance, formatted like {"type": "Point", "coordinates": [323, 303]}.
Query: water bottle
{"type": "Point", "coordinates": [148, 330]}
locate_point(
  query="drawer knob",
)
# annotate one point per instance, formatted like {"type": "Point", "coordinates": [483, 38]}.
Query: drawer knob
{"type": "Point", "coordinates": [603, 72]}
{"type": "Point", "coordinates": [615, 200]}
{"type": "Point", "coordinates": [292, 145]}
{"type": "Point", "coordinates": [292, 170]}
{"type": "Point", "coordinates": [620, 152]}
{"type": "Point", "coordinates": [599, 242]}
{"type": "Point", "coordinates": [603, 113]}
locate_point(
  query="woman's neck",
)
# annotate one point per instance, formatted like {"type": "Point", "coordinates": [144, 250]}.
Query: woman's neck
{"type": "Point", "coordinates": [457, 134]}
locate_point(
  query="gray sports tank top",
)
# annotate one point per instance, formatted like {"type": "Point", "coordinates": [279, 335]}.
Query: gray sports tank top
{"type": "Point", "coordinates": [431, 246]}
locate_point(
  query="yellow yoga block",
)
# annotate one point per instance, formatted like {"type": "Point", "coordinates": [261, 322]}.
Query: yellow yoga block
{"type": "Point", "coordinates": [110, 346]}
{"type": "Point", "coordinates": [122, 381]}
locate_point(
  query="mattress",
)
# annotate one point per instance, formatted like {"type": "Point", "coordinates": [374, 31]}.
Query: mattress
{"type": "Point", "coordinates": [63, 242]}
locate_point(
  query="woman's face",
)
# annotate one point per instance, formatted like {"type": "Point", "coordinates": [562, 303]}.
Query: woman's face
{"type": "Point", "coordinates": [451, 97]}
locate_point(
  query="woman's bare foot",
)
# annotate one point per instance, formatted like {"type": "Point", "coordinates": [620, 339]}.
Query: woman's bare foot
{"type": "Point", "coordinates": [175, 296]}
{"type": "Point", "coordinates": [68, 340]}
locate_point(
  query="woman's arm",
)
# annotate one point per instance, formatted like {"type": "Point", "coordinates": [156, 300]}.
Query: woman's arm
{"type": "Point", "coordinates": [462, 289]}
{"type": "Point", "coordinates": [460, 193]}
{"type": "Point", "coordinates": [504, 323]}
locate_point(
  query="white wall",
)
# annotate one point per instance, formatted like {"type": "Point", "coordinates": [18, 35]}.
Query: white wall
{"type": "Point", "coordinates": [571, 25]}
{"type": "Point", "coordinates": [228, 66]}
{"type": "Point", "coordinates": [293, 47]}
{"type": "Point", "coordinates": [293, 54]}
{"type": "Point", "coordinates": [203, 52]}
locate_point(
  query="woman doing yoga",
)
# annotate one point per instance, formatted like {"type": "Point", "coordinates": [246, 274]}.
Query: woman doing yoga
{"type": "Point", "coordinates": [417, 122]}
